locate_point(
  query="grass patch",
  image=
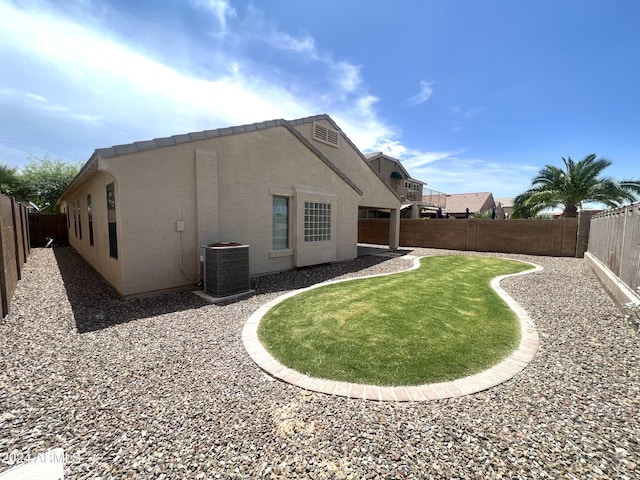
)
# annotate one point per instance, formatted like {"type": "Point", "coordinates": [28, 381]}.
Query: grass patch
{"type": "Point", "coordinates": [440, 322]}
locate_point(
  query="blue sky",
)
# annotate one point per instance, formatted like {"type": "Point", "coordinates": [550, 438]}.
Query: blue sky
{"type": "Point", "coordinates": [471, 95]}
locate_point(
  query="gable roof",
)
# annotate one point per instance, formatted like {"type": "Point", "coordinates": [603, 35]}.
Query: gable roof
{"type": "Point", "coordinates": [475, 202]}
{"type": "Point", "coordinates": [506, 202]}
{"type": "Point", "coordinates": [334, 125]}
{"type": "Point", "coordinates": [91, 167]}
{"type": "Point", "coordinates": [405, 173]}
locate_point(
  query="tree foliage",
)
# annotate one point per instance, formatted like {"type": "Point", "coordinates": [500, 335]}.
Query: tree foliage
{"type": "Point", "coordinates": [42, 181]}
{"type": "Point", "coordinates": [483, 214]}
{"type": "Point", "coordinates": [577, 183]}
{"type": "Point", "coordinates": [9, 180]}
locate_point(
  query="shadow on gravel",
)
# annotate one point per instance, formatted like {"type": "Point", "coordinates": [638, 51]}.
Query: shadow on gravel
{"type": "Point", "coordinates": [96, 305]}
{"type": "Point", "coordinates": [307, 276]}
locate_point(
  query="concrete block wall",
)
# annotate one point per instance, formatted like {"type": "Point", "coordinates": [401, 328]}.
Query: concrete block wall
{"type": "Point", "coordinates": [14, 248]}
{"type": "Point", "coordinates": [559, 237]}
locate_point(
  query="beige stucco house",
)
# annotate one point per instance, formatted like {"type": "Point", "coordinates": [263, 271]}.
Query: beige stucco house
{"type": "Point", "coordinates": [507, 205]}
{"type": "Point", "coordinates": [393, 173]}
{"type": "Point", "coordinates": [291, 190]}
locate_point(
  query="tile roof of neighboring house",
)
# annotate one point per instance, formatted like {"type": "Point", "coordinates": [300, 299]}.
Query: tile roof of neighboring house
{"type": "Point", "coordinates": [90, 168]}
{"type": "Point", "coordinates": [475, 202]}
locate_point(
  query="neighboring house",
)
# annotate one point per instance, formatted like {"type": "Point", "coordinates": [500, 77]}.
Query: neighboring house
{"type": "Point", "coordinates": [398, 179]}
{"type": "Point", "coordinates": [507, 206]}
{"type": "Point", "coordinates": [457, 204]}
{"type": "Point", "coordinates": [138, 213]}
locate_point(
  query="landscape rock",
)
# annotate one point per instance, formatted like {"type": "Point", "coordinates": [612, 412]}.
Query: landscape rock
{"type": "Point", "coordinates": [162, 387]}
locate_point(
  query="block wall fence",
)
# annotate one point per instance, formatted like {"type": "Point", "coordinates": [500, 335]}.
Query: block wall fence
{"type": "Point", "coordinates": [14, 247]}
{"type": "Point", "coordinates": [564, 237]}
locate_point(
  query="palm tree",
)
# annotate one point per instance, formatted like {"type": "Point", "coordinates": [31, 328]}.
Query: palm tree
{"type": "Point", "coordinates": [579, 182]}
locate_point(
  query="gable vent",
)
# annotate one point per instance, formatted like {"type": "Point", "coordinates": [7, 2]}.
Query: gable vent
{"type": "Point", "coordinates": [326, 135]}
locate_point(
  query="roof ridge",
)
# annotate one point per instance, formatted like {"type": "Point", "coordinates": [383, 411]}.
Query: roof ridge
{"type": "Point", "coordinates": [158, 142]}
{"type": "Point", "coordinates": [470, 193]}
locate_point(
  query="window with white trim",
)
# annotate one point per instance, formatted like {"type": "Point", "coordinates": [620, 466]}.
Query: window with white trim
{"type": "Point", "coordinates": [111, 220]}
{"type": "Point", "coordinates": [317, 222]}
{"type": "Point", "coordinates": [90, 219]}
{"type": "Point", "coordinates": [280, 212]}
{"type": "Point", "coordinates": [79, 220]}
{"type": "Point", "coordinates": [326, 135]}
{"type": "Point", "coordinates": [75, 219]}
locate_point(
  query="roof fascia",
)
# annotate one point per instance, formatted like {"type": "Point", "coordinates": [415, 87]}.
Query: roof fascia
{"type": "Point", "coordinates": [87, 171]}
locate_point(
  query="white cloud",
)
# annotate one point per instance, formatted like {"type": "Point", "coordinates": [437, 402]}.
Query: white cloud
{"type": "Point", "coordinates": [472, 112]}
{"type": "Point", "coordinates": [284, 41]}
{"type": "Point", "coordinates": [467, 113]}
{"type": "Point", "coordinates": [454, 174]}
{"type": "Point", "coordinates": [348, 76]}
{"type": "Point", "coordinates": [258, 28]}
{"type": "Point", "coordinates": [393, 148]}
{"type": "Point", "coordinates": [344, 75]}
{"type": "Point", "coordinates": [34, 96]}
{"type": "Point", "coordinates": [361, 125]}
{"type": "Point", "coordinates": [110, 80]}
{"type": "Point", "coordinates": [426, 89]}
{"type": "Point", "coordinates": [452, 171]}
{"type": "Point", "coordinates": [221, 9]}
{"type": "Point", "coordinates": [40, 105]}
{"type": "Point", "coordinates": [417, 159]}
{"type": "Point", "coordinates": [104, 91]}
{"type": "Point", "coordinates": [462, 115]}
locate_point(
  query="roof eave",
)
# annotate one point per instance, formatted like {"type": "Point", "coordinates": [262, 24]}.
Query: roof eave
{"type": "Point", "coordinates": [87, 171]}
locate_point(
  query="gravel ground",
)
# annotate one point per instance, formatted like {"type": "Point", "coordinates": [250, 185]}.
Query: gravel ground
{"type": "Point", "coordinates": [162, 388]}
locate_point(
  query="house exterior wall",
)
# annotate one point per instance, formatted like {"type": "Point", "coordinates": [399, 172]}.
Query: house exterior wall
{"type": "Point", "coordinates": [351, 163]}
{"type": "Point", "coordinates": [256, 166]}
{"type": "Point", "coordinates": [385, 168]}
{"type": "Point", "coordinates": [222, 189]}
{"type": "Point", "coordinates": [97, 254]}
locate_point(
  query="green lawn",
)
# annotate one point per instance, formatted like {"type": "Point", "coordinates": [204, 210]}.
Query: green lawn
{"type": "Point", "coordinates": [440, 322]}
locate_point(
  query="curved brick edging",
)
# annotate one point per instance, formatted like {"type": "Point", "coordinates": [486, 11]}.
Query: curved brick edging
{"type": "Point", "coordinates": [495, 375]}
